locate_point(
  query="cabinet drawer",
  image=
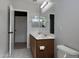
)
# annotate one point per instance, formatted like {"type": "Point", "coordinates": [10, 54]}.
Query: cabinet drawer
{"type": "Point", "coordinates": [47, 43]}
{"type": "Point", "coordinates": [41, 42]}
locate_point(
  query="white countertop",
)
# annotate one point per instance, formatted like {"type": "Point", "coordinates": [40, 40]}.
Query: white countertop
{"type": "Point", "coordinates": [43, 36]}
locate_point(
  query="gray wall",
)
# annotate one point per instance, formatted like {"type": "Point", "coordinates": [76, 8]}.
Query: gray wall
{"type": "Point", "coordinates": [21, 29]}
{"type": "Point", "coordinates": [47, 15]}
{"type": "Point", "coordinates": [67, 23]}
{"type": "Point", "coordinates": [3, 27]}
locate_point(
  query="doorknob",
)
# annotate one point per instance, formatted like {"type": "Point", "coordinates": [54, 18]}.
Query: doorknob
{"type": "Point", "coordinates": [10, 32]}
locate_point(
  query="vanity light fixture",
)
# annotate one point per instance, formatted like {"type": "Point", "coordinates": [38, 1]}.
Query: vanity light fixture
{"type": "Point", "coordinates": [44, 4]}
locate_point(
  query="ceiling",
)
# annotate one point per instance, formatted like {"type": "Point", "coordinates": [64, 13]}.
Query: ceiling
{"type": "Point", "coordinates": [41, 1]}
{"type": "Point", "coordinates": [38, 1]}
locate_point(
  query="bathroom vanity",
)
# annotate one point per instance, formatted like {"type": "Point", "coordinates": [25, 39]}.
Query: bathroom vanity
{"type": "Point", "coordinates": [42, 46]}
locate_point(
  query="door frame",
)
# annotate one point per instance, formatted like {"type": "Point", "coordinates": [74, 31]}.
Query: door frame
{"type": "Point", "coordinates": [10, 30]}
{"type": "Point", "coordinates": [26, 23]}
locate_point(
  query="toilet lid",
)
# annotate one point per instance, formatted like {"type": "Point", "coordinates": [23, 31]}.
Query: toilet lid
{"type": "Point", "coordinates": [68, 50]}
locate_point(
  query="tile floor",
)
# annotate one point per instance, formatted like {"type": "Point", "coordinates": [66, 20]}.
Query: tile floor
{"type": "Point", "coordinates": [21, 53]}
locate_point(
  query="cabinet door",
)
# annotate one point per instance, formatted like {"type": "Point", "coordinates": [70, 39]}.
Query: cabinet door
{"type": "Point", "coordinates": [33, 46]}
{"type": "Point", "coordinates": [50, 48]}
{"type": "Point", "coordinates": [48, 52]}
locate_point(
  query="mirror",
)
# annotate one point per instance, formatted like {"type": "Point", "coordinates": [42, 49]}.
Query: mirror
{"type": "Point", "coordinates": [35, 21]}
{"type": "Point", "coordinates": [39, 21]}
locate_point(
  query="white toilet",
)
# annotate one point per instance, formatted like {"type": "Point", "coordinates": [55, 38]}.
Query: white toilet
{"type": "Point", "coordinates": [66, 52]}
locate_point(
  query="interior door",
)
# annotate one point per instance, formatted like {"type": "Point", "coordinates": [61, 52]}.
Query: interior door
{"type": "Point", "coordinates": [11, 30]}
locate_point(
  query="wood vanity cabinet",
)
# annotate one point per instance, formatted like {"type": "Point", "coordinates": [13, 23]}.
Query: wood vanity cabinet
{"type": "Point", "coordinates": [35, 44]}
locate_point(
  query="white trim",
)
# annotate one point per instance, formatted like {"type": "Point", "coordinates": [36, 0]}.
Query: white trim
{"type": "Point", "coordinates": [10, 44]}
{"type": "Point", "coordinates": [20, 10]}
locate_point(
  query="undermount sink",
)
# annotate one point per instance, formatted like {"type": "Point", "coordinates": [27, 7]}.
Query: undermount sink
{"type": "Point", "coordinates": [43, 35]}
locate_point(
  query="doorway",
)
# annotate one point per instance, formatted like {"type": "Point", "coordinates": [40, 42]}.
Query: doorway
{"type": "Point", "coordinates": [20, 29]}
{"type": "Point", "coordinates": [52, 23]}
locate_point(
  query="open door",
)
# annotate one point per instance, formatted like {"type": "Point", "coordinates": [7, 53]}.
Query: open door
{"type": "Point", "coordinates": [11, 30]}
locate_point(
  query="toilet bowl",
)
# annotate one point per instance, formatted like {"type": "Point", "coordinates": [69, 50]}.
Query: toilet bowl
{"type": "Point", "coordinates": [66, 52]}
